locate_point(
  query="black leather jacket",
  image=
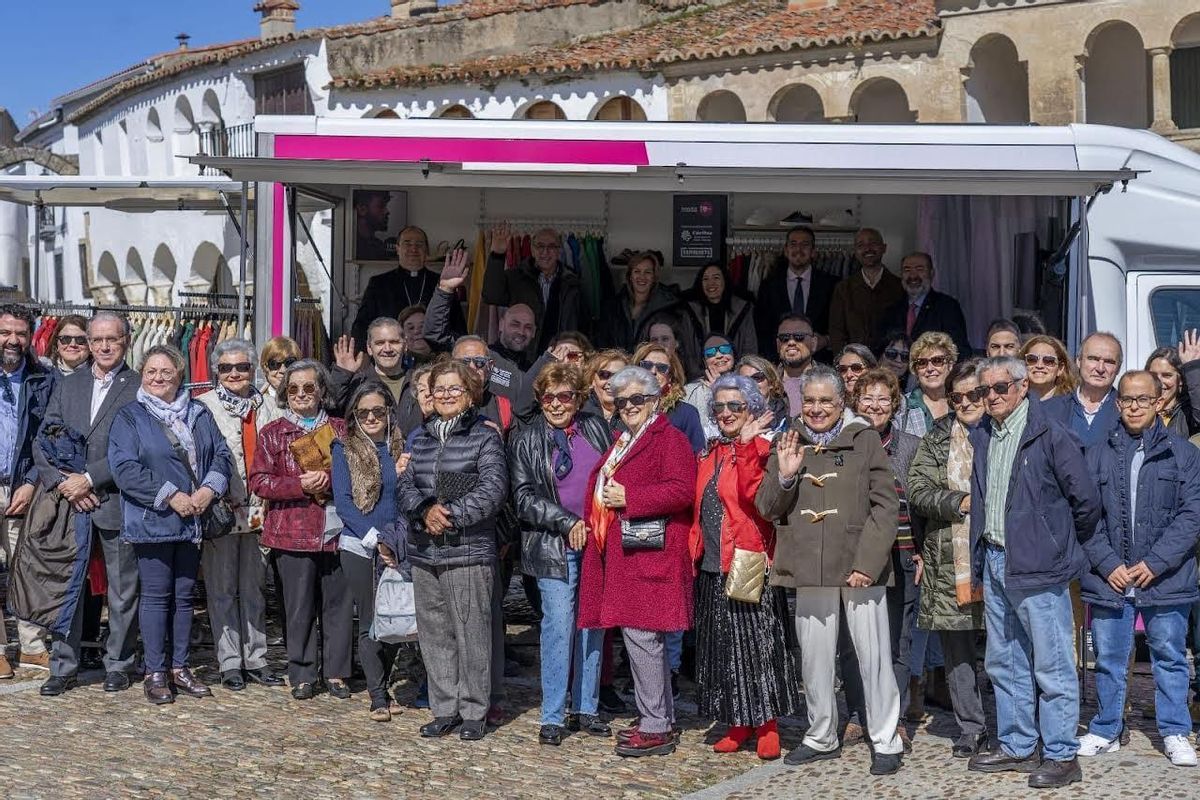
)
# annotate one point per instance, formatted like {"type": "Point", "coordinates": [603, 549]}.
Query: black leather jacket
{"type": "Point", "coordinates": [544, 523]}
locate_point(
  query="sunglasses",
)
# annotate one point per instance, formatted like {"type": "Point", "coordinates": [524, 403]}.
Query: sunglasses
{"type": "Point", "coordinates": [654, 366]}
{"type": "Point", "coordinates": [895, 355]}
{"type": "Point", "coordinates": [1032, 360]}
{"type": "Point", "coordinates": [563, 398]}
{"type": "Point", "coordinates": [937, 361]}
{"type": "Point", "coordinates": [301, 388]}
{"type": "Point", "coordinates": [733, 406]}
{"type": "Point", "coordinates": [1000, 388]}
{"type": "Point", "coordinates": [448, 391]}
{"type": "Point", "coordinates": [720, 349]}
{"type": "Point", "coordinates": [793, 337]}
{"type": "Point", "coordinates": [478, 362]}
{"type": "Point", "coordinates": [604, 374]}
{"type": "Point", "coordinates": [635, 400]}
{"type": "Point", "coordinates": [975, 395]}
{"type": "Point", "coordinates": [241, 366]}
{"type": "Point", "coordinates": [375, 412]}
{"type": "Point", "coordinates": [75, 340]}
{"type": "Point", "coordinates": [857, 369]}
{"type": "Point", "coordinates": [757, 377]}
{"type": "Point", "coordinates": [279, 363]}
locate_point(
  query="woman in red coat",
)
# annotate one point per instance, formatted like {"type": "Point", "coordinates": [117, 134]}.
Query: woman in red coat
{"type": "Point", "coordinates": [640, 579]}
{"type": "Point", "coordinates": [744, 665]}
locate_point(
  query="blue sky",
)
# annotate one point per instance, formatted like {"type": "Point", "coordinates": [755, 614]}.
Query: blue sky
{"type": "Point", "coordinates": [48, 47]}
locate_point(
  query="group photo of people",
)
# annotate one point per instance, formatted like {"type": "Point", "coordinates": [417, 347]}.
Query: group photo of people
{"type": "Point", "coordinates": [818, 500]}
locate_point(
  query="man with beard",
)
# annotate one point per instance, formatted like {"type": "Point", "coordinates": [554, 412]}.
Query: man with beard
{"type": "Point", "coordinates": [385, 351]}
{"type": "Point", "coordinates": [24, 392]}
{"type": "Point", "coordinates": [861, 301]}
{"type": "Point", "coordinates": [371, 216]}
{"type": "Point", "coordinates": [925, 308]}
{"type": "Point", "coordinates": [796, 287]}
{"type": "Point", "coordinates": [794, 339]}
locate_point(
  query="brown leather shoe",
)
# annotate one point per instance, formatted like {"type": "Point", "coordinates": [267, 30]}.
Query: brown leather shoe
{"type": "Point", "coordinates": [187, 684]}
{"type": "Point", "coordinates": [37, 660]}
{"type": "Point", "coordinates": [6, 670]}
{"type": "Point", "coordinates": [158, 689]}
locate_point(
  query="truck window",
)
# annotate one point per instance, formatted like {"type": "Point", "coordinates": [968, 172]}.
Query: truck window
{"type": "Point", "coordinates": [1174, 311]}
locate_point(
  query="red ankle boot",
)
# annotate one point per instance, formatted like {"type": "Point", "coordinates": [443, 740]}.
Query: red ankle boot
{"type": "Point", "coordinates": [768, 740]}
{"type": "Point", "coordinates": [734, 738]}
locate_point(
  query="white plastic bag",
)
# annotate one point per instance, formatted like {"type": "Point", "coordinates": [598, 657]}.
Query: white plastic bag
{"type": "Point", "coordinates": [395, 609]}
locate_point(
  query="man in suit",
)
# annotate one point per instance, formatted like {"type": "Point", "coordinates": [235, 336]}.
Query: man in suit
{"type": "Point", "coordinates": [86, 401]}
{"type": "Point", "coordinates": [925, 308]}
{"type": "Point", "coordinates": [796, 287]}
{"type": "Point", "coordinates": [24, 392]}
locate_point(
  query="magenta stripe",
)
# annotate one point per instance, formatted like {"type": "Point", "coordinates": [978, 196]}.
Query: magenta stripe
{"type": "Point", "coordinates": [503, 151]}
{"type": "Point", "coordinates": [277, 261]}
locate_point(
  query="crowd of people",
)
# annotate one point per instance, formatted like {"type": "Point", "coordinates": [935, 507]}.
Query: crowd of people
{"type": "Point", "coordinates": [827, 482]}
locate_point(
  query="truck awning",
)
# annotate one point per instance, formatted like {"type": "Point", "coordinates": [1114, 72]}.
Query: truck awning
{"type": "Point", "coordinates": [121, 194]}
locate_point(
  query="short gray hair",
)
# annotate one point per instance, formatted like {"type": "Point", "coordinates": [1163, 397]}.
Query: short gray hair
{"type": "Point", "coordinates": [109, 316]}
{"type": "Point", "coordinates": [748, 389]}
{"type": "Point", "coordinates": [304, 365]}
{"type": "Point", "coordinates": [236, 346]}
{"type": "Point", "coordinates": [823, 374]}
{"type": "Point", "coordinates": [861, 350]}
{"type": "Point", "coordinates": [169, 352]}
{"type": "Point", "coordinates": [382, 322]}
{"type": "Point", "coordinates": [634, 376]}
{"type": "Point", "coordinates": [1015, 367]}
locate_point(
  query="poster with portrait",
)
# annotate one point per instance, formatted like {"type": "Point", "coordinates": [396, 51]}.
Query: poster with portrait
{"type": "Point", "coordinates": [379, 215]}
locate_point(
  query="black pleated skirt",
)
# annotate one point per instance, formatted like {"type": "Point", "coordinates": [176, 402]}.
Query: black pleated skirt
{"type": "Point", "coordinates": [746, 667]}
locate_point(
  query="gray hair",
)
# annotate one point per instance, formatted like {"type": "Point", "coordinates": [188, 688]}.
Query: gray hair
{"type": "Point", "coordinates": [169, 352]}
{"type": "Point", "coordinates": [823, 374]}
{"type": "Point", "coordinates": [470, 337]}
{"type": "Point", "coordinates": [236, 346]}
{"type": "Point", "coordinates": [1112, 337]}
{"type": "Point", "coordinates": [109, 316]}
{"type": "Point", "coordinates": [634, 376]}
{"type": "Point", "coordinates": [748, 389]}
{"type": "Point", "coordinates": [382, 322]}
{"type": "Point", "coordinates": [860, 350]}
{"type": "Point", "coordinates": [304, 365]}
{"type": "Point", "coordinates": [1015, 367]}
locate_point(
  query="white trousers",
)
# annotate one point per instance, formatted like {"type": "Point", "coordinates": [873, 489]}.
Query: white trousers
{"type": "Point", "coordinates": [817, 628]}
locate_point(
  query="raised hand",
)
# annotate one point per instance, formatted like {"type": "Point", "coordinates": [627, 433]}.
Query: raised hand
{"type": "Point", "coordinates": [344, 356]}
{"type": "Point", "coordinates": [1189, 348]}
{"type": "Point", "coordinates": [454, 271]}
{"type": "Point", "coordinates": [790, 451]}
{"type": "Point", "coordinates": [500, 235]}
{"type": "Point", "coordinates": [756, 426]}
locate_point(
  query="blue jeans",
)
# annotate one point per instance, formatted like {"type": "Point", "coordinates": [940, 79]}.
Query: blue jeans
{"type": "Point", "coordinates": [1030, 637]}
{"type": "Point", "coordinates": [167, 572]}
{"type": "Point", "coordinates": [559, 638]}
{"type": "Point", "coordinates": [674, 642]}
{"type": "Point", "coordinates": [1166, 634]}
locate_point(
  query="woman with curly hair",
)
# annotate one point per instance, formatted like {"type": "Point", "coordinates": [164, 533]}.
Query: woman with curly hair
{"type": "Point", "coordinates": [668, 371]}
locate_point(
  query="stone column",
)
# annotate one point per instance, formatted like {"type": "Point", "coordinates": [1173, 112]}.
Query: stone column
{"type": "Point", "coordinates": [1160, 72]}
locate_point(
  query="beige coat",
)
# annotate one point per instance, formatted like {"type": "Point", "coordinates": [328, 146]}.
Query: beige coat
{"type": "Point", "coordinates": [249, 509]}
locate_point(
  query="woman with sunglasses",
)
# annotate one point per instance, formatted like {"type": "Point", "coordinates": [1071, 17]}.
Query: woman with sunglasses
{"type": "Point", "coordinates": [718, 361]}
{"type": "Point", "coordinates": [745, 668]}
{"type": "Point", "coordinates": [1051, 373]}
{"type": "Point", "coordinates": [851, 363]}
{"type": "Point", "coordinates": [715, 306]}
{"type": "Point", "coordinates": [770, 386]}
{"type": "Point", "coordinates": [930, 359]}
{"type": "Point", "coordinates": [642, 584]}
{"type": "Point", "coordinates": [597, 373]}
{"type": "Point", "coordinates": [1178, 370]}
{"type": "Point", "coordinates": [939, 490]}
{"type": "Point", "coordinates": [295, 528]}
{"type": "Point", "coordinates": [667, 369]}
{"type": "Point", "coordinates": [277, 355]}
{"type": "Point", "coordinates": [894, 355]}
{"type": "Point", "coordinates": [235, 569]}
{"type": "Point", "coordinates": [68, 345]}
{"type": "Point", "coordinates": [366, 467]}
{"type": "Point", "coordinates": [550, 462]}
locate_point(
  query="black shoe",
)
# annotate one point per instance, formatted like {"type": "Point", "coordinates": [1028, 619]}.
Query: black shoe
{"type": "Point", "coordinates": [232, 680]}
{"type": "Point", "coordinates": [187, 683]}
{"type": "Point", "coordinates": [303, 691]}
{"type": "Point", "coordinates": [58, 684]}
{"type": "Point", "coordinates": [90, 660]}
{"type": "Point", "coordinates": [340, 690]}
{"type": "Point", "coordinates": [886, 763]}
{"type": "Point", "coordinates": [675, 686]}
{"type": "Point", "coordinates": [999, 761]}
{"type": "Point", "coordinates": [1055, 774]}
{"type": "Point", "coordinates": [589, 724]}
{"type": "Point", "coordinates": [263, 677]}
{"type": "Point", "coordinates": [116, 681]}
{"type": "Point", "coordinates": [441, 726]}
{"type": "Point", "coordinates": [472, 730]}
{"type": "Point", "coordinates": [157, 687]}
{"type": "Point", "coordinates": [611, 702]}
{"type": "Point", "coordinates": [968, 745]}
{"type": "Point", "coordinates": [549, 734]}
{"type": "Point", "coordinates": [805, 754]}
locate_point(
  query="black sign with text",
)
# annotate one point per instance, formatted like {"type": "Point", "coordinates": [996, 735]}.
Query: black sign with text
{"type": "Point", "coordinates": [699, 226]}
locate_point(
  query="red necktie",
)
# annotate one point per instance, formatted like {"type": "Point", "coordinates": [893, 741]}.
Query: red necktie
{"type": "Point", "coordinates": [911, 321]}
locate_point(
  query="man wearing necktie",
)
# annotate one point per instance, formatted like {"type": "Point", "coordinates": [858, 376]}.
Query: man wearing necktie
{"type": "Point", "coordinates": [796, 287]}
{"type": "Point", "coordinates": [924, 308]}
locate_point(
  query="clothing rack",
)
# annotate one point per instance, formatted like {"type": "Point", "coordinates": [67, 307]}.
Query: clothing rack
{"type": "Point", "coordinates": [582, 225]}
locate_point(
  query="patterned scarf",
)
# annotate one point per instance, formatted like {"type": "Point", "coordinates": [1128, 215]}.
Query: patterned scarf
{"type": "Point", "coordinates": [958, 478]}
{"type": "Point", "coordinates": [442, 427]}
{"type": "Point", "coordinates": [560, 457]}
{"type": "Point", "coordinates": [602, 516]}
{"type": "Point", "coordinates": [825, 438]}
{"type": "Point", "coordinates": [236, 406]}
{"type": "Point", "coordinates": [176, 416]}
{"type": "Point", "coordinates": [304, 423]}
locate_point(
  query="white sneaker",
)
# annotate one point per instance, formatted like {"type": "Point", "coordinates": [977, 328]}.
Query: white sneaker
{"type": "Point", "coordinates": [1179, 750]}
{"type": "Point", "coordinates": [1092, 745]}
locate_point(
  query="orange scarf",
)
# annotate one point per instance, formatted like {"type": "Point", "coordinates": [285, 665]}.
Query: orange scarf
{"type": "Point", "coordinates": [601, 515]}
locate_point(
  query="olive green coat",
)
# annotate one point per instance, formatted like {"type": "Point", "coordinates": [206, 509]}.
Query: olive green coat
{"type": "Point", "coordinates": [929, 497]}
{"type": "Point", "coordinates": [823, 552]}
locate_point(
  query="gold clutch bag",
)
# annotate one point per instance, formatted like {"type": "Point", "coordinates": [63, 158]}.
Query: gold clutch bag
{"type": "Point", "coordinates": [747, 576]}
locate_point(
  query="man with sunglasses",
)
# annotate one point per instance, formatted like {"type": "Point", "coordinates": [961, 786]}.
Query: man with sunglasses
{"type": "Point", "coordinates": [794, 341]}
{"type": "Point", "coordinates": [1091, 410]}
{"type": "Point", "coordinates": [925, 308]}
{"type": "Point", "coordinates": [1033, 504]}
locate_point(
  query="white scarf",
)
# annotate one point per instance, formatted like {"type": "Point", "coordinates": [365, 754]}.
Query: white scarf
{"type": "Point", "coordinates": [176, 416]}
{"type": "Point", "coordinates": [616, 455]}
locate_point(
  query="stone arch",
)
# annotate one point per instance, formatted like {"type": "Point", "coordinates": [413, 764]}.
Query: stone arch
{"type": "Point", "coordinates": [1185, 73]}
{"type": "Point", "coordinates": [206, 266]}
{"type": "Point", "coordinates": [621, 108]}
{"type": "Point", "coordinates": [162, 276]}
{"type": "Point", "coordinates": [157, 148]}
{"type": "Point", "coordinates": [107, 286]}
{"type": "Point", "coordinates": [210, 109]}
{"type": "Point", "coordinates": [456, 111]}
{"type": "Point", "coordinates": [381, 113]}
{"type": "Point", "coordinates": [996, 85]}
{"type": "Point", "coordinates": [59, 165]}
{"type": "Point", "coordinates": [1116, 77]}
{"type": "Point", "coordinates": [184, 139]}
{"type": "Point", "coordinates": [797, 102]}
{"type": "Point", "coordinates": [881, 101]}
{"type": "Point", "coordinates": [134, 283]}
{"type": "Point", "coordinates": [544, 110]}
{"type": "Point", "coordinates": [721, 106]}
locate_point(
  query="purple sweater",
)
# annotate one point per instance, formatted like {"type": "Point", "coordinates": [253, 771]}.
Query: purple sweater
{"type": "Point", "coordinates": [572, 490]}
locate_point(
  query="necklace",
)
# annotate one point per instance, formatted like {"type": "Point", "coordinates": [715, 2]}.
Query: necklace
{"type": "Point", "coordinates": [420, 293]}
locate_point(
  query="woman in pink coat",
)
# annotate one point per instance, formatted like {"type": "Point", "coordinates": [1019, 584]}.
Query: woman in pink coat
{"type": "Point", "coordinates": [639, 577]}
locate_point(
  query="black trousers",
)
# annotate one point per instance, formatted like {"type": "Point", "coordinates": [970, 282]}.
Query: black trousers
{"type": "Point", "coordinates": [315, 588]}
{"type": "Point", "coordinates": [376, 657]}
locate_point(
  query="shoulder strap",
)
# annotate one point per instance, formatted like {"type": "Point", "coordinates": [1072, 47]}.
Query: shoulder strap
{"type": "Point", "coordinates": [180, 453]}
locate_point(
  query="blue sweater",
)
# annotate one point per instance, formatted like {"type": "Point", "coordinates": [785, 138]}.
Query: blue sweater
{"type": "Point", "coordinates": [383, 516]}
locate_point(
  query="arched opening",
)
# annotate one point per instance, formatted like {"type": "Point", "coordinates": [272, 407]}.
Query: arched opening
{"type": "Point", "coordinates": [185, 143]}
{"type": "Point", "coordinates": [162, 276]}
{"type": "Point", "coordinates": [1185, 73]}
{"type": "Point", "coordinates": [1116, 82]}
{"type": "Point", "coordinates": [997, 88]}
{"type": "Point", "coordinates": [881, 101]}
{"type": "Point", "coordinates": [209, 271]}
{"type": "Point", "coordinates": [456, 111]}
{"type": "Point", "coordinates": [107, 286]}
{"type": "Point", "coordinates": [98, 154]}
{"type": "Point", "coordinates": [798, 103]}
{"type": "Point", "coordinates": [544, 109]}
{"type": "Point", "coordinates": [621, 109]}
{"type": "Point", "coordinates": [156, 145]}
{"type": "Point", "coordinates": [135, 277]}
{"type": "Point", "coordinates": [382, 113]}
{"type": "Point", "coordinates": [721, 106]}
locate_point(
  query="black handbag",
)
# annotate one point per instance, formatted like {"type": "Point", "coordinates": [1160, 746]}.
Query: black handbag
{"type": "Point", "coordinates": [649, 533]}
{"type": "Point", "coordinates": [219, 520]}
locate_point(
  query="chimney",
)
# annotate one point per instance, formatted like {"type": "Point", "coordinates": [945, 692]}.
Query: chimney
{"type": "Point", "coordinates": [403, 9]}
{"type": "Point", "coordinates": [278, 18]}
{"type": "Point", "coordinates": [810, 5]}
{"type": "Point", "coordinates": [183, 40]}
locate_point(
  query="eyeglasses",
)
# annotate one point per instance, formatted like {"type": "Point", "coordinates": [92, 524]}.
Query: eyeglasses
{"type": "Point", "coordinates": [857, 369]}
{"type": "Point", "coordinates": [375, 412]}
{"type": "Point", "coordinates": [823, 402]}
{"type": "Point", "coordinates": [793, 337]}
{"type": "Point", "coordinates": [1000, 388]}
{"type": "Point", "coordinates": [451, 392]}
{"type": "Point", "coordinates": [722, 349]}
{"type": "Point", "coordinates": [1141, 401]}
{"type": "Point", "coordinates": [937, 361]}
{"type": "Point", "coordinates": [275, 364]}
{"type": "Point", "coordinates": [301, 388]}
{"type": "Point", "coordinates": [975, 395]}
{"type": "Point", "coordinates": [563, 398]}
{"type": "Point", "coordinates": [544, 247]}
{"type": "Point", "coordinates": [875, 402]}
{"type": "Point", "coordinates": [733, 406]}
{"type": "Point", "coordinates": [478, 362]}
{"type": "Point", "coordinates": [241, 366]}
{"type": "Point", "coordinates": [1032, 360]}
{"type": "Point", "coordinates": [604, 374]}
{"type": "Point", "coordinates": [76, 340]}
{"type": "Point", "coordinates": [895, 355]}
{"type": "Point", "coordinates": [101, 341]}
{"type": "Point", "coordinates": [654, 366]}
{"type": "Point", "coordinates": [574, 355]}
{"type": "Point", "coordinates": [635, 400]}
